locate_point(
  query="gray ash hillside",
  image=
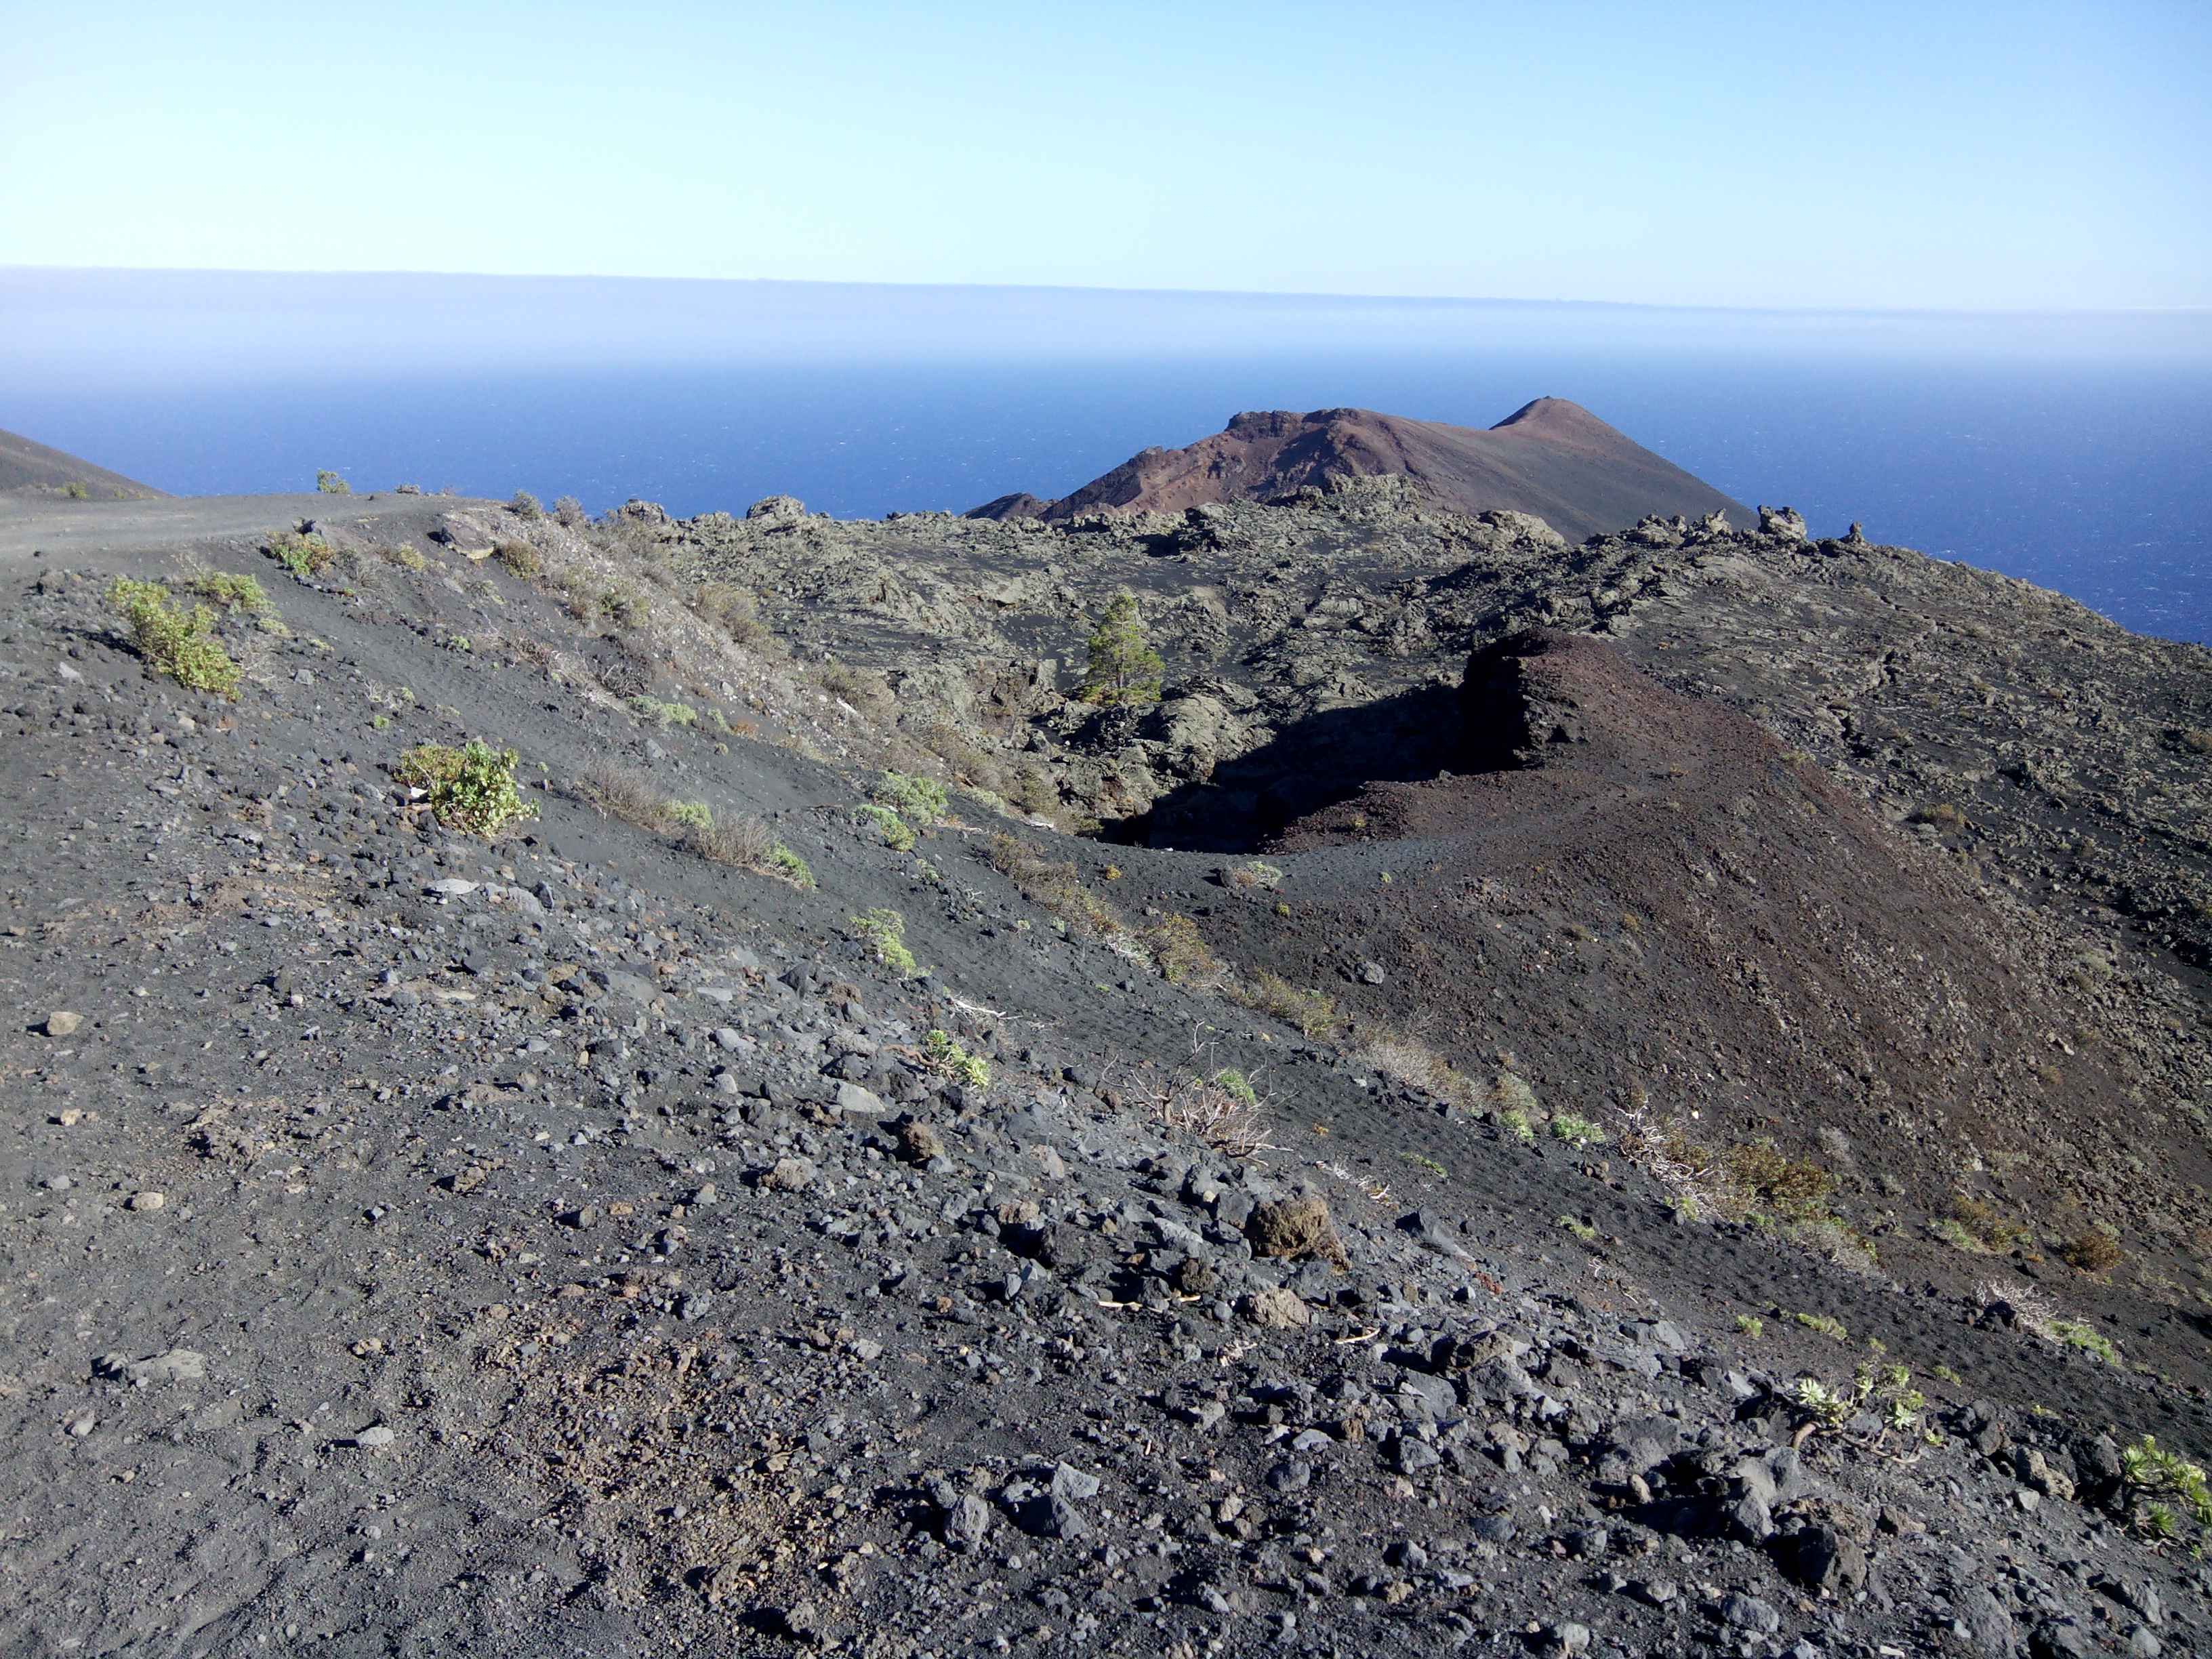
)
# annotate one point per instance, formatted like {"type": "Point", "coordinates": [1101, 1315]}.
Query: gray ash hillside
{"type": "Point", "coordinates": [599, 1238]}
{"type": "Point", "coordinates": [37, 470]}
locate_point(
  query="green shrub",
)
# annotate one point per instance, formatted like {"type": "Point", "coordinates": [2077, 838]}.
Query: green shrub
{"type": "Point", "coordinates": [1892, 1395]}
{"type": "Point", "coordinates": [1751, 1325]}
{"type": "Point", "coordinates": [520, 560]}
{"type": "Point", "coordinates": [303, 555]}
{"type": "Point", "coordinates": [2092, 1252]}
{"type": "Point", "coordinates": [1312, 1012]}
{"type": "Point", "coordinates": [76, 491]}
{"type": "Point", "coordinates": [1180, 952]}
{"type": "Point", "coordinates": [229, 592]}
{"type": "Point", "coordinates": [991, 800]}
{"type": "Point", "coordinates": [897, 834]}
{"type": "Point", "coordinates": [921, 800]}
{"type": "Point", "coordinates": [667, 714]}
{"type": "Point", "coordinates": [1581, 1130]}
{"type": "Point", "coordinates": [691, 814]}
{"type": "Point", "coordinates": [471, 789]}
{"type": "Point", "coordinates": [624, 606]}
{"type": "Point", "coordinates": [1976, 1228]}
{"type": "Point", "coordinates": [1768, 1180]}
{"type": "Point", "coordinates": [1831, 1407]}
{"type": "Point", "coordinates": [1584, 1230]}
{"type": "Point", "coordinates": [1123, 667]}
{"type": "Point", "coordinates": [946, 1055]}
{"type": "Point", "coordinates": [1034, 792]}
{"type": "Point", "coordinates": [733, 607]}
{"type": "Point", "coordinates": [1237, 1086]}
{"type": "Point", "coordinates": [1903, 1402]}
{"type": "Point", "coordinates": [2093, 1342]}
{"type": "Point", "coordinates": [331, 484]}
{"type": "Point", "coordinates": [884, 931]}
{"type": "Point", "coordinates": [788, 865]}
{"type": "Point", "coordinates": [1513, 1104]}
{"type": "Point", "coordinates": [183, 647]}
{"type": "Point", "coordinates": [1257, 874]}
{"type": "Point", "coordinates": [525, 507]}
{"type": "Point", "coordinates": [2147, 1469]}
{"type": "Point", "coordinates": [569, 511]}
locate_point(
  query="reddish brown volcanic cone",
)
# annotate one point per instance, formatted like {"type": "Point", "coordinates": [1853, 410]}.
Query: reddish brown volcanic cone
{"type": "Point", "coordinates": [1551, 457]}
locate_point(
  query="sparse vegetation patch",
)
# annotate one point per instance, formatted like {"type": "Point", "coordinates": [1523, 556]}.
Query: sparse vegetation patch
{"type": "Point", "coordinates": [1312, 1013]}
{"type": "Point", "coordinates": [173, 640]}
{"type": "Point", "coordinates": [897, 834]}
{"type": "Point", "coordinates": [1975, 1226]}
{"type": "Point", "coordinates": [471, 789]}
{"type": "Point", "coordinates": [2093, 1252]}
{"type": "Point", "coordinates": [304, 555]}
{"type": "Point", "coordinates": [884, 933]}
{"type": "Point", "coordinates": [920, 800]}
{"type": "Point", "coordinates": [945, 1055]}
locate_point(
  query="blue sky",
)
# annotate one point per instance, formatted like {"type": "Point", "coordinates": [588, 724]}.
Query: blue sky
{"type": "Point", "coordinates": [1956, 157]}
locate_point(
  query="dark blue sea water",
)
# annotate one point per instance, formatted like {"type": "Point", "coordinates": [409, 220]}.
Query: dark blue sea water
{"type": "Point", "coordinates": [2077, 458]}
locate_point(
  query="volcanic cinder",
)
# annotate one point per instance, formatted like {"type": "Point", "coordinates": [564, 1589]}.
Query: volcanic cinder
{"type": "Point", "coordinates": [1550, 457]}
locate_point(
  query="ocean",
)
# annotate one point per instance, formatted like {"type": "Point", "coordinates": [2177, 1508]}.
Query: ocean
{"type": "Point", "coordinates": [2070, 452]}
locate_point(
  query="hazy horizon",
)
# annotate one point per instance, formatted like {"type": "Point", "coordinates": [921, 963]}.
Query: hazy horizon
{"type": "Point", "coordinates": [108, 327]}
{"type": "Point", "coordinates": [2066, 448]}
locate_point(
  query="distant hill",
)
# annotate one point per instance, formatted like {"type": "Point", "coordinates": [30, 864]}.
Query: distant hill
{"type": "Point", "coordinates": [32, 468]}
{"type": "Point", "coordinates": [1550, 457]}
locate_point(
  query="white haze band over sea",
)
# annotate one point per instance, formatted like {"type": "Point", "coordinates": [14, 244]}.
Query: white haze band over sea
{"type": "Point", "coordinates": [2068, 448]}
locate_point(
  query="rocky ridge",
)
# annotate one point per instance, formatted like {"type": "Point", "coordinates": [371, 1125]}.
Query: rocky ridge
{"type": "Point", "coordinates": [2069, 753]}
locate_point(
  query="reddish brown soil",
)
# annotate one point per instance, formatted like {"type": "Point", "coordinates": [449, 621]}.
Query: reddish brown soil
{"type": "Point", "coordinates": [1648, 899]}
{"type": "Point", "coordinates": [1551, 457]}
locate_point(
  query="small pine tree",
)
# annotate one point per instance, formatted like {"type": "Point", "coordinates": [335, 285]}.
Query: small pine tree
{"type": "Point", "coordinates": [330, 483]}
{"type": "Point", "coordinates": [1123, 667]}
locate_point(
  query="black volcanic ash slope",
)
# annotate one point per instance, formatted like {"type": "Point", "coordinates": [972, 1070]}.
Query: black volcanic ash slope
{"type": "Point", "coordinates": [573, 1241]}
{"type": "Point", "coordinates": [34, 469]}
